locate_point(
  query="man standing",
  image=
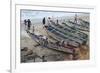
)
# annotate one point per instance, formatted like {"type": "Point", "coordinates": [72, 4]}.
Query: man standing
{"type": "Point", "coordinates": [44, 41]}
{"type": "Point", "coordinates": [25, 23]}
{"type": "Point", "coordinates": [29, 24]}
{"type": "Point", "coordinates": [43, 58]}
{"type": "Point", "coordinates": [43, 21]}
{"type": "Point", "coordinates": [33, 29]}
{"type": "Point", "coordinates": [75, 20]}
{"type": "Point", "coordinates": [57, 22]}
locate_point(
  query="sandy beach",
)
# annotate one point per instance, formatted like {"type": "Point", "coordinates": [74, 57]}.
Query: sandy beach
{"type": "Point", "coordinates": [39, 52]}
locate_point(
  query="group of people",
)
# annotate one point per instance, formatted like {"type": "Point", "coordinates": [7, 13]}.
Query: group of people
{"type": "Point", "coordinates": [27, 24]}
{"type": "Point", "coordinates": [43, 41]}
{"type": "Point", "coordinates": [47, 21]}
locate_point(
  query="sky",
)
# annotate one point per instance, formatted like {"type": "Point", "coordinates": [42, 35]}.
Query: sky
{"type": "Point", "coordinates": [31, 14]}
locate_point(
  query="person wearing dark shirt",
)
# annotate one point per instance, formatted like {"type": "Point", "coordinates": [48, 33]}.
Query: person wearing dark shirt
{"type": "Point", "coordinates": [57, 22]}
{"type": "Point", "coordinates": [43, 21]}
{"type": "Point", "coordinates": [25, 22]}
{"type": "Point", "coordinates": [29, 24]}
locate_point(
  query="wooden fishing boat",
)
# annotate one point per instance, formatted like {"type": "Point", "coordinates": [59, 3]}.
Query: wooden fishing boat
{"type": "Point", "coordinates": [78, 26]}
{"type": "Point", "coordinates": [60, 33]}
{"type": "Point", "coordinates": [70, 31]}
